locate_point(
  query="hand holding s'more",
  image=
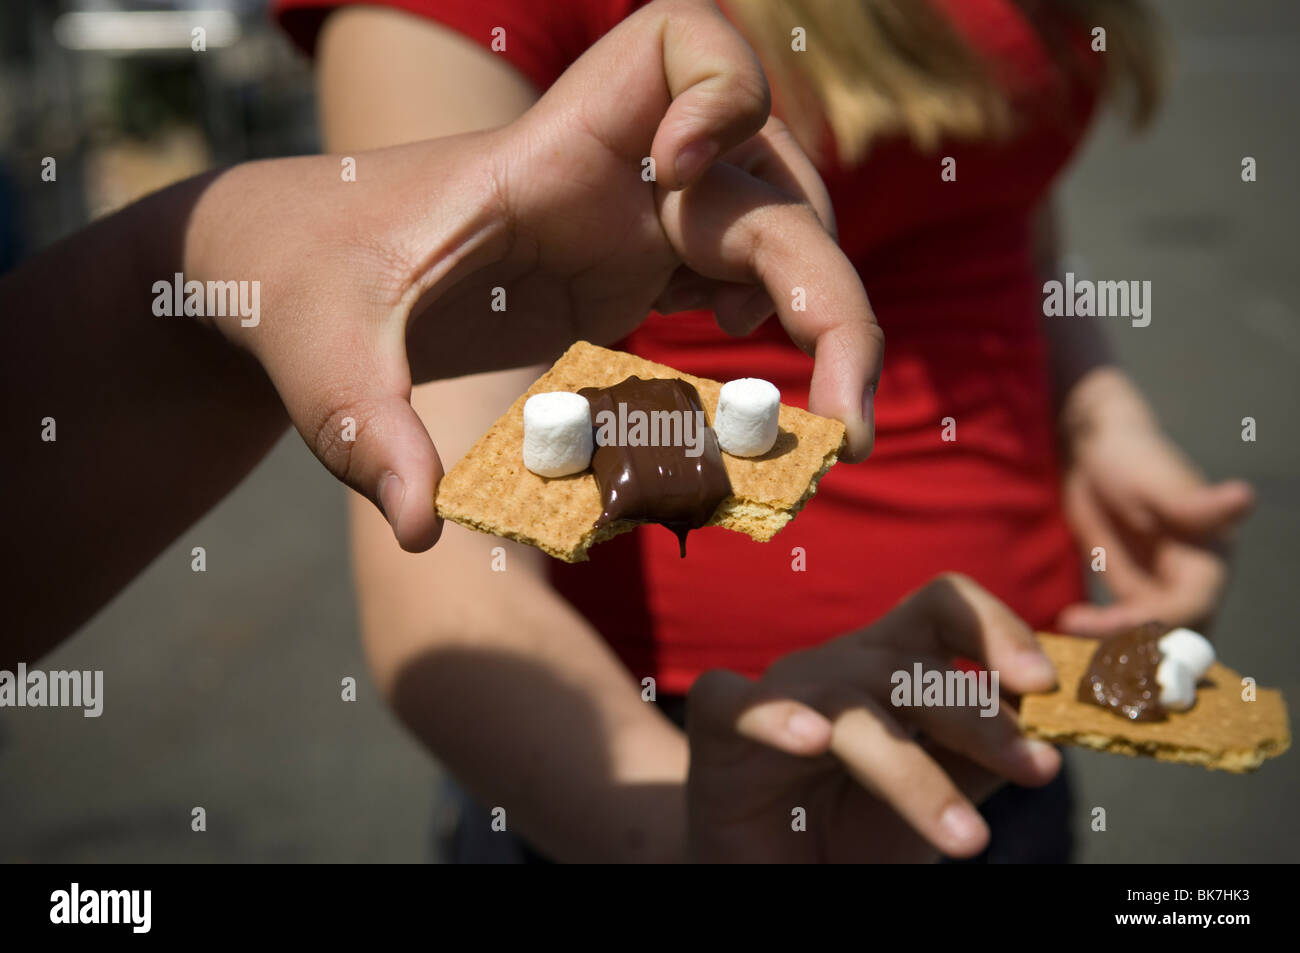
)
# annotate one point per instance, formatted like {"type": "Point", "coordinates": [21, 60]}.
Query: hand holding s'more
{"type": "Point", "coordinates": [733, 218]}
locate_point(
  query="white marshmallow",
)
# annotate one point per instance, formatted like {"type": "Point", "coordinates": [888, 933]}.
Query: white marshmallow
{"type": "Point", "coordinates": [746, 421]}
{"type": "Point", "coordinates": [1191, 649]}
{"type": "Point", "coordinates": [557, 434]}
{"type": "Point", "coordinates": [1177, 684]}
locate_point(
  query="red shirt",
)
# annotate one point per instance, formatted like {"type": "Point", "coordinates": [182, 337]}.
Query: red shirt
{"type": "Point", "coordinates": [949, 269]}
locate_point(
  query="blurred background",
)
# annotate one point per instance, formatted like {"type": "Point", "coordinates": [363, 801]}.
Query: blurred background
{"type": "Point", "coordinates": [223, 688]}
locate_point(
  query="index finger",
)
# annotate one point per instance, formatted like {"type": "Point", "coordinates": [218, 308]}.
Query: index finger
{"type": "Point", "coordinates": [733, 227]}
{"type": "Point", "coordinates": [953, 614]}
{"type": "Point", "coordinates": [824, 308]}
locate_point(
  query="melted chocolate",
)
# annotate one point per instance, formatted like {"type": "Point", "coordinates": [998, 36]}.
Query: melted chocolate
{"type": "Point", "coordinates": [657, 484]}
{"type": "Point", "coordinates": [1122, 674]}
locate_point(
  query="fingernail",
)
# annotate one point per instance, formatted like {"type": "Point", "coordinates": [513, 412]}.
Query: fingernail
{"type": "Point", "coordinates": [692, 160]}
{"type": "Point", "coordinates": [962, 824]}
{"type": "Point", "coordinates": [804, 725]}
{"type": "Point", "coordinates": [1035, 750]}
{"type": "Point", "coordinates": [1037, 666]}
{"type": "Point", "coordinates": [391, 492]}
{"type": "Point", "coordinates": [862, 436]}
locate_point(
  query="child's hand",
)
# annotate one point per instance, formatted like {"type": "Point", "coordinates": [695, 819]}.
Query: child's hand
{"type": "Point", "coordinates": [819, 732]}
{"type": "Point", "coordinates": [1164, 529]}
{"type": "Point", "coordinates": [371, 285]}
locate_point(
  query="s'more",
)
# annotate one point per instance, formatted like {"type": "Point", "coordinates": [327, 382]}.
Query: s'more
{"type": "Point", "coordinates": [606, 441]}
{"type": "Point", "coordinates": [1157, 692]}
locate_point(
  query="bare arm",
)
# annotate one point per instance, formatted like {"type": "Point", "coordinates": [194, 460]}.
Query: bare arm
{"type": "Point", "coordinates": [496, 673]}
{"type": "Point", "coordinates": [1082, 364]}
{"type": "Point", "coordinates": [1129, 491]}
{"type": "Point", "coordinates": [153, 419]}
{"type": "Point", "coordinates": [150, 359]}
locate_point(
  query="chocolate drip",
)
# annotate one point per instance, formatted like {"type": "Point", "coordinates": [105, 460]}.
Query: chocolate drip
{"type": "Point", "coordinates": [1122, 674]}
{"type": "Point", "coordinates": [657, 484]}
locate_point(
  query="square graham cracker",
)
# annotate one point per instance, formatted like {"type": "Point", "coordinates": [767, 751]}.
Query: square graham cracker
{"type": "Point", "coordinates": [491, 490]}
{"type": "Point", "coordinates": [1221, 731]}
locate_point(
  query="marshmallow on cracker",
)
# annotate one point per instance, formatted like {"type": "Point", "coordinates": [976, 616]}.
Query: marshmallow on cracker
{"type": "Point", "coordinates": [557, 434]}
{"type": "Point", "coordinates": [1177, 684]}
{"type": "Point", "coordinates": [1190, 648]}
{"type": "Point", "coordinates": [746, 421]}
{"type": "Point", "coordinates": [1185, 657]}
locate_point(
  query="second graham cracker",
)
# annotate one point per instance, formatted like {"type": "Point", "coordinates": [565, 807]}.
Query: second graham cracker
{"type": "Point", "coordinates": [1221, 731]}
{"type": "Point", "coordinates": [491, 490]}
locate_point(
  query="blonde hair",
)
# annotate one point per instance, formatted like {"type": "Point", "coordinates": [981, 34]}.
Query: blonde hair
{"type": "Point", "coordinates": [889, 67]}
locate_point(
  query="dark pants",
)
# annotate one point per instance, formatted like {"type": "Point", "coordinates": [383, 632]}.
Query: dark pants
{"type": "Point", "coordinates": [1029, 825]}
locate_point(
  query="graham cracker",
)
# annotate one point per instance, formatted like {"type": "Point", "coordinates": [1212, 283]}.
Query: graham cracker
{"type": "Point", "coordinates": [1221, 731]}
{"type": "Point", "coordinates": [491, 490]}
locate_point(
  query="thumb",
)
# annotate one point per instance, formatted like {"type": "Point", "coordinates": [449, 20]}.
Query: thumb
{"type": "Point", "coordinates": [370, 437]}
{"type": "Point", "coordinates": [1206, 510]}
{"type": "Point", "coordinates": [1100, 622]}
{"type": "Point", "coordinates": [720, 97]}
{"type": "Point", "coordinates": [675, 76]}
{"type": "Point", "coordinates": [727, 705]}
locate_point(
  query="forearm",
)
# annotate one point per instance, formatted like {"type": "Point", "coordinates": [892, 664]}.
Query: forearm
{"type": "Point", "coordinates": [1089, 388]}
{"type": "Point", "coordinates": [1078, 355]}
{"type": "Point", "coordinates": [1077, 348]}
{"type": "Point", "coordinates": [154, 419]}
{"type": "Point", "coordinates": [585, 770]}
{"type": "Point", "coordinates": [519, 697]}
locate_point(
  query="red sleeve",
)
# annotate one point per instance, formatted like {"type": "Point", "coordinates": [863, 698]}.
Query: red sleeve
{"type": "Point", "coordinates": [542, 38]}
